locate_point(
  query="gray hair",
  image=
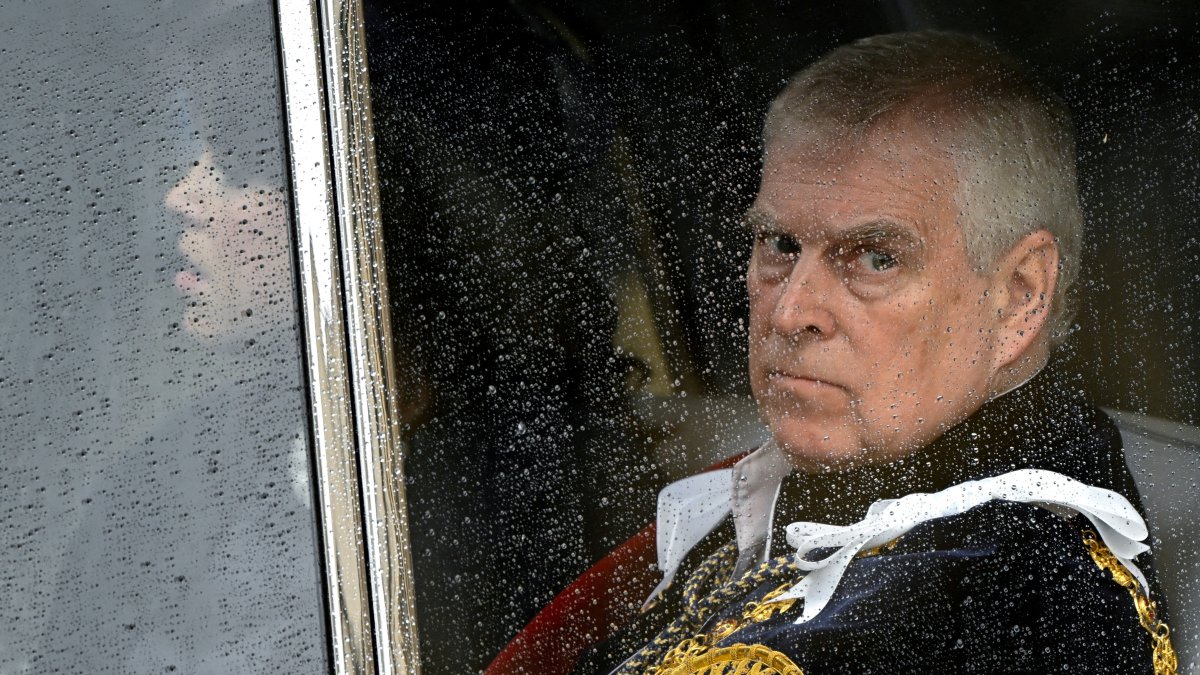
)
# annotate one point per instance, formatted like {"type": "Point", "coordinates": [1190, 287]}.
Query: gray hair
{"type": "Point", "coordinates": [1011, 141]}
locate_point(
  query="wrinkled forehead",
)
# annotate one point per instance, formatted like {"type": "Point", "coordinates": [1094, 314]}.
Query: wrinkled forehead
{"type": "Point", "coordinates": [904, 139]}
{"type": "Point", "coordinates": [829, 181]}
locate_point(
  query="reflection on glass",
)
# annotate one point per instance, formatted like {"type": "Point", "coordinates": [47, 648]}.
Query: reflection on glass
{"type": "Point", "coordinates": [235, 244]}
{"type": "Point", "coordinates": [156, 482]}
{"type": "Point", "coordinates": [564, 188]}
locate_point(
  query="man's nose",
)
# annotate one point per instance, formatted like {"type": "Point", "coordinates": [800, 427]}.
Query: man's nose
{"type": "Point", "coordinates": [803, 308]}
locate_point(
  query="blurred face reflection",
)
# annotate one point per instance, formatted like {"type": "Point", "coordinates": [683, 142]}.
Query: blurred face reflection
{"type": "Point", "coordinates": [869, 336]}
{"type": "Point", "coordinates": [235, 242]}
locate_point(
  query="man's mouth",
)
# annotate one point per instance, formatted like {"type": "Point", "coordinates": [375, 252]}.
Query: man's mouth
{"type": "Point", "coordinates": [803, 383]}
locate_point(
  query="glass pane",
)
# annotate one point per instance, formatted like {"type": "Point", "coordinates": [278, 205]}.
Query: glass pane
{"type": "Point", "coordinates": [563, 188]}
{"type": "Point", "coordinates": [155, 487]}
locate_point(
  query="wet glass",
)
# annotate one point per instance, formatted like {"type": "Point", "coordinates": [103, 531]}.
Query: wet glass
{"type": "Point", "coordinates": [155, 488]}
{"type": "Point", "coordinates": [563, 186]}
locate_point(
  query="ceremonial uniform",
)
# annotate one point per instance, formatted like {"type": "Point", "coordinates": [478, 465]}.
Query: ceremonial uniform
{"type": "Point", "coordinates": [1007, 584]}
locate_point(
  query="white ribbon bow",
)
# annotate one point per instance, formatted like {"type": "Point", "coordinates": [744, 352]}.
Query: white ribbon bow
{"type": "Point", "coordinates": [1115, 520]}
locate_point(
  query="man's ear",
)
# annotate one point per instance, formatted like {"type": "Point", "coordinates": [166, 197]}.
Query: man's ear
{"type": "Point", "coordinates": [1023, 289]}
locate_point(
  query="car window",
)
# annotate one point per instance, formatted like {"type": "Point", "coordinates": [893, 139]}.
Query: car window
{"type": "Point", "coordinates": [563, 189]}
{"type": "Point", "coordinates": [158, 509]}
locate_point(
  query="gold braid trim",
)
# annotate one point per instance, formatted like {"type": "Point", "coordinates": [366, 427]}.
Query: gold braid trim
{"type": "Point", "coordinates": [700, 655]}
{"type": "Point", "coordinates": [1165, 660]}
{"type": "Point", "coordinates": [706, 592]}
{"type": "Point", "coordinates": [681, 650]}
{"type": "Point", "coordinates": [710, 575]}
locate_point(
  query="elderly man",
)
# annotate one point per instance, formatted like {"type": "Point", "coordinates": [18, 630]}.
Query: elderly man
{"type": "Point", "coordinates": [917, 229]}
{"type": "Point", "coordinates": [936, 497]}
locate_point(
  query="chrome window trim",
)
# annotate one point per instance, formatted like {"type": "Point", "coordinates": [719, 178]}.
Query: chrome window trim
{"type": "Point", "coordinates": [339, 514]}
{"type": "Point", "coordinates": [374, 374]}
{"type": "Point", "coordinates": [343, 289]}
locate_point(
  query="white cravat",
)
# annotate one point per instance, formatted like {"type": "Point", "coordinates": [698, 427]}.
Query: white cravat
{"type": "Point", "coordinates": [1115, 520]}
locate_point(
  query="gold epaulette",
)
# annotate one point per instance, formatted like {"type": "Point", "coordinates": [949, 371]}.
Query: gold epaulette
{"type": "Point", "coordinates": [1165, 660]}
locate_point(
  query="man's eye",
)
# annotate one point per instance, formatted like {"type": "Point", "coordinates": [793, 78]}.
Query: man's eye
{"type": "Point", "coordinates": [877, 261]}
{"type": "Point", "coordinates": [780, 244]}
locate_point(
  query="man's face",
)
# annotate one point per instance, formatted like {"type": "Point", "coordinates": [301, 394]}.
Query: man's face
{"type": "Point", "coordinates": [238, 279]}
{"type": "Point", "coordinates": [869, 330]}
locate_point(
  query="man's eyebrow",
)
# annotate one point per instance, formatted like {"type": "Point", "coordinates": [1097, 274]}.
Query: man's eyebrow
{"type": "Point", "coordinates": [757, 219]}
{"type": "Point", "coordinates": [883, 229]}
{"type": "Point", "coordinates": [878, 230]}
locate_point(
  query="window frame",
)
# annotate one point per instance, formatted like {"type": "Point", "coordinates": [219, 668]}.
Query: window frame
{"type": "Point", "coordinates": [362, 517]}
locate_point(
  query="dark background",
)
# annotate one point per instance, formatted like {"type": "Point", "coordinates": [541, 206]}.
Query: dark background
{"type": "Point", "coordinates": [534, 155]}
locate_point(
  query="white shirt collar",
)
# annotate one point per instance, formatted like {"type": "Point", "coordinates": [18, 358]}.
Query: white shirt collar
{"type": "Point", "coordinates": [756, 482]}
{"type": "Point", "coordinates": [690, 508]}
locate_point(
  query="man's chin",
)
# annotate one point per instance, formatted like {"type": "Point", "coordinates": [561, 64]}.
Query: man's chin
{"type": "Point", "coordinates": [824, 457]}
{"type": "Point", "coordinates": [826, 453]}
{"type": "Point", "coordinates": [819, 451]}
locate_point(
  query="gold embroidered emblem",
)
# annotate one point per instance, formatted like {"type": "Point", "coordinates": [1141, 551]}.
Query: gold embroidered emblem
{"type": "Point", "coordinates": [699, 656]}
{"type": "Point", "coordinates": [735, 659]}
